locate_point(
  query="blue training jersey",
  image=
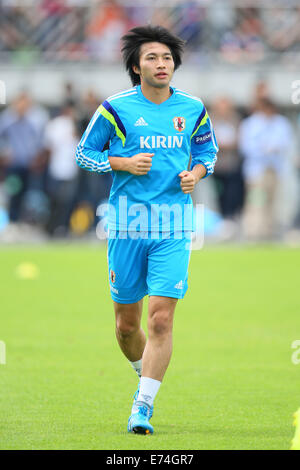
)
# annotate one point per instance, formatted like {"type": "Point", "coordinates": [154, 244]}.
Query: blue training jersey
{"type": "Point", "coordinates": [175, 130]}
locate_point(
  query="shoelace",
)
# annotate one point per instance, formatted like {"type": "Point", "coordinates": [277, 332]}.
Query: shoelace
{"type": "Point", "coordinates": [143, 410]}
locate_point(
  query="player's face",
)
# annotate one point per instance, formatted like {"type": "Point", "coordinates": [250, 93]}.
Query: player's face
{"type": "Point", "coordinates": [156, 64]}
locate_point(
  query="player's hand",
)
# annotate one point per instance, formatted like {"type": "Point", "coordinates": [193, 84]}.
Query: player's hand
{"type": "Point", "coordinates": [140, 164]}
{"type": "Point", "coordinates": [188, 181]}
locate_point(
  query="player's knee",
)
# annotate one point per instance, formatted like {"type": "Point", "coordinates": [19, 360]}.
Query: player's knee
{"type": "Point", "coordinates": [160, 323]}
{"type": "Point", "coordinates": [125, 328]}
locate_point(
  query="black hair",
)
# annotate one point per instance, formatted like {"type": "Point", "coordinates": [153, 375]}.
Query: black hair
{"type": "Point", "coordinates": [136, 37]}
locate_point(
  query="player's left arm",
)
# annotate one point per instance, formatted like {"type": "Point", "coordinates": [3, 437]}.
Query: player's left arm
{"type": "Point", "coordinates": [189, 179]}
{"type": "Point", "coordinates": [204, 150]}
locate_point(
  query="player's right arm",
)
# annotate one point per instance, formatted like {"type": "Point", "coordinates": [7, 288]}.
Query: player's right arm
{"type": "Point", "coordinates": [90, 153]}
{"type": "Point", "coordinates": [139, 164]}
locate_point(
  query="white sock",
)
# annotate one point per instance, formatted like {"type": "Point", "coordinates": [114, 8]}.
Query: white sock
{"type": "Point", "coordinates": [148, 390]}
{"type": "Point", "coordinates": [137, 366]}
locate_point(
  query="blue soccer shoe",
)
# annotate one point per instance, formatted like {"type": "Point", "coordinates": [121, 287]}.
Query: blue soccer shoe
{"type": "Point", "coordinates": [138, 423]}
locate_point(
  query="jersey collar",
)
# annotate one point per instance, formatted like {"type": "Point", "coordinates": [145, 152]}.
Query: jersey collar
{"type": "Point", "coordinates": [164, 103]}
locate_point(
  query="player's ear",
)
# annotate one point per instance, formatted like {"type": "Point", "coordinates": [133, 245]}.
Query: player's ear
{"type": "Point", "coordinates": [136, 69]}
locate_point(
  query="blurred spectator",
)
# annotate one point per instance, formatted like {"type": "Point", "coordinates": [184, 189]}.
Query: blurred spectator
{"type": "Point", "coordinates": [265, 142]}
{"type": "Point", "coordinates": [243, 43]}
{"type": "Point", "coordinates": [140, 12]}
{"type": "Point", "coordinates": [60, 141]}
{"type": "Point", "coordinates": [12, 20]}
{"type": "Point", "coordinates": [108, 23]}
{"type": "Point", "coordinates": [70, 95]}
{"type": "Point", "coordinates": [163, 16]}
{"type": "Point", "coordinates": [221, 16]}
{"type": "Point", "coordinates": [227, 175]}
{"type": "Point", "coordinates": [281, 28]}
{"type": "Point", "coordinates": [49, 30]}
{"type": "Point", "coordinates": [93, 188]}
{"type": "Point", "coordinates": [21, 133]}
{"type": "Point", "coordinates": [191, 17]}
{"type": "Point", "coordinates": [262, 90]}
{"type": "Point", "coordinates": [89, 104]}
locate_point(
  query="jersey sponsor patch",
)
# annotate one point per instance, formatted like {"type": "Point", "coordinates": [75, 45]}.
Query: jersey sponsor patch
{"type": "Point", "coordinates": [202, 139]}
{"type": "Point", "coordinates": [161, 141]}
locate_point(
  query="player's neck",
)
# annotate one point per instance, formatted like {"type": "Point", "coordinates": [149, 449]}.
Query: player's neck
{"type": "Point", "coordinates": [156, 95]}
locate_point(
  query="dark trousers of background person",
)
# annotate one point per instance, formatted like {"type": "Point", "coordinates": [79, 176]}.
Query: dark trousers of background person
{"type": "Point", "coordinates": [17, 183]}
{"type": "Point", "coordinates": [93, 188]}
{"type": "Point", "coordinates": [296, 223]}
{"type": "Point", "coordinates": [230, 193]}
{"type": "Point", "coordinates": [62, 197]}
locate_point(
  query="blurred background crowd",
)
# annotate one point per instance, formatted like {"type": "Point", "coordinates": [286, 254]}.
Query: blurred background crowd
{"type": "Point", "coordinates": [254, 193]}
{"type": "Point", "coordinates": [84, 30]}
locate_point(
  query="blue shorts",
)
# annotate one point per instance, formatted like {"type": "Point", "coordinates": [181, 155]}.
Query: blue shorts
{"type": "Point", "coordinates": [141, 265]}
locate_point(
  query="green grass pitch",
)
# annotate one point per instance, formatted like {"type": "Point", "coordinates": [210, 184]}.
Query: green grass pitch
{"type": "Point", "coordinates": [231, 383]}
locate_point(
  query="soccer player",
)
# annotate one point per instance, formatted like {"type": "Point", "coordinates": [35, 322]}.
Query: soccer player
{"type": "Point", "coordinates": [152, 130]}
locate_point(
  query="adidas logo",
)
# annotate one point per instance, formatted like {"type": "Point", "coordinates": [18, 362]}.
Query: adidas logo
{"type": "Point", "coordinates": [141, 122]}
{"type": "Point", "coordinates": [179, 285]}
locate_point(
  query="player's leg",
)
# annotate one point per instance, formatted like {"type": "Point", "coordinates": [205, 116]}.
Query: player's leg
{"type": "Point", "coordinates": [129, 333]}
{"type": "Point", "coordinates": [167, 282]}
{"type": "Point", "coordinates": [158, 349]}
{"type": "Point", "coordinates": [131, 337]}
{"type": "Point", "coordinates": [127, 260]}
{"type": "Point", "coordinates": [127, 279]}
{"type": "Point", "coordinates": [156, 358]}
{"type": "Point", "coordinates": [157, 353]}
